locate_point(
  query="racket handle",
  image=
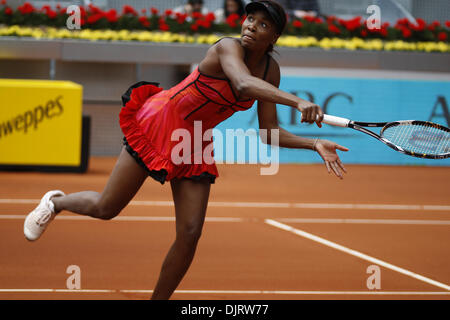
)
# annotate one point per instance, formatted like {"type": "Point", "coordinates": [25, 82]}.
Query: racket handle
{"type": "Point", "coordinates": [335, 121]}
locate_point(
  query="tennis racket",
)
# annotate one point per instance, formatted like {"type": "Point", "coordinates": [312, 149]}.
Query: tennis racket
{"type": "Point", "coordinates": [420, 139]}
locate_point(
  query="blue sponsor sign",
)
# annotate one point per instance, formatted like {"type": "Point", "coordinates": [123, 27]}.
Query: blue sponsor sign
{"type": "Point", "coordinates": [367, 100]}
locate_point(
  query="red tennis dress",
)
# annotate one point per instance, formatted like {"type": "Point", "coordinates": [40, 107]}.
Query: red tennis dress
{"type": "Point", "coordinates": [165, 129]}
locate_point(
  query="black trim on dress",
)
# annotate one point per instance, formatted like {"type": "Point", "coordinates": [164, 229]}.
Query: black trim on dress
{"type": "Point", "coordinates": [196, 109]}
{"type": "Point", "coordinates": [127, 95]}
{"type": "Point", "coordinates": [160, 175]}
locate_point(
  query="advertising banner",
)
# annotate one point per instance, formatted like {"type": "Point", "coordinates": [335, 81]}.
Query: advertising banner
{"type": "Point", "coordinates": [40, 123]}
{"type": "Point", "coordinates": [359, 99]}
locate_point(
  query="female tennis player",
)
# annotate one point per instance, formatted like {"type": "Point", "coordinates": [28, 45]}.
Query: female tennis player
{"type": "Point", "coordinates": [233, 74]}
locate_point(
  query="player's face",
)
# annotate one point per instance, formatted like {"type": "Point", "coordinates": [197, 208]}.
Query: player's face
{"type": "Point", "coordinates": [258, 31]}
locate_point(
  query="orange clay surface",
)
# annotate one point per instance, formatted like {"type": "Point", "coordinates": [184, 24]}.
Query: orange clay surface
{"type": "Point", "coordinates": [399, 215]}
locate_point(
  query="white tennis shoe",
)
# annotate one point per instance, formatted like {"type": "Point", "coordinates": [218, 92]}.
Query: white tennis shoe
{"type": "Point", "coordinates": [37, 220]}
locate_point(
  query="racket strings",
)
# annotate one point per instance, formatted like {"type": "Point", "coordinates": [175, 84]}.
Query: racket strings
{"type": "Point", "coordinates": [402, 134]}
{"type": "Point", "coordinates": [432, 139]}
{"type": "Point", "coordinates": [419, 138]}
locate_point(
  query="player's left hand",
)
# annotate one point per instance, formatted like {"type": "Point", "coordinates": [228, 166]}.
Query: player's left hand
{"type": "Point", "coordinates": [327, 150]}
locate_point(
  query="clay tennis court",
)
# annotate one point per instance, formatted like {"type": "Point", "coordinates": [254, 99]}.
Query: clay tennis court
{"type": "Point", "coordinates": [299, 234]}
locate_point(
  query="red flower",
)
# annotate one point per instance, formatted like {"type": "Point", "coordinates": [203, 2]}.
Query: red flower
{"type": "Point", "coordinates": [144, 11]}
{"type": "Point", "coordinates": [197, 15]}
{"type": "Point", "coordinates": [127, 9]}
{"type": "Point", "coordinates": [442, 36]}
{"type": "Point", "coordinates": [384, 32]}
{"type": "Point", "coordinates": [144, 21]}
{"type": "Point", "coordinates": [232, 20]}
{"type": "Point", "coordinates": [164, 26]}
{"type": "Point", "coordinates": [406, 33]}
{"type": "Point", "coordinates": [111, 15]}
{"type": "Point", "coordinates": [82, 12]}
{"type": "Point", "coordinates": [51, 14]}
{"type": "Point", "coordinates": [364, 33]}
{"type": "Point", "coordinates": [8, 11]}
{"type": "Point", "coordinates": [309, 18]}
{"type": "Point", "coordinates": [194, 27]}
{"type": "Point", "coordinates": [154, 11]}
{"type": "Point", "coordinates": [94, 18]}
{"type": "Point", "coordinates": [403, 21]}
{"type": "Point", "coordinates": [318, 20]}
{"type": "Point", "coordinates": [297, 24]}
{"type": "Point", "coordinates": [181, 17]}
{"type": "Point", "coordinates": [168, 12]}
{"type": "Point", "coordinates": [352, 24]}
{"type": "Point", "coordinates": [233, 16]}
{"type": "Point", "coordinates": [332, 28]}
{"type": "Point", "coordinates": [447, 24]}
{"type": "Point", "coordinates": [94, 9]}
{"type": "Point", "coordinates": [331, 19]}
{"type": "Point", "coordinates": [26, 8]}
{"type": "Point", "coordinates": [421, 24]}
{"type": "Point", "coordinates": [436, 23]}
{"type": "Point", "coordinates": [204, 23]}
{"type": "Point", "coordinates": [210, 17]}
{"type": "Point", "coordinates": [415, 27]}
{"type": "Point", "coordinates": [3, 2]}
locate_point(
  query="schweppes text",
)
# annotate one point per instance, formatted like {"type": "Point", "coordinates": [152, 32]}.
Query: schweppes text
{"type": "Point", "coordinates": [31, 119]}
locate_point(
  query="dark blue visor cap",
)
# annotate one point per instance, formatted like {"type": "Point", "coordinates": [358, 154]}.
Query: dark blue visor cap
{"type": "Point", "coordinates": [279, 18]}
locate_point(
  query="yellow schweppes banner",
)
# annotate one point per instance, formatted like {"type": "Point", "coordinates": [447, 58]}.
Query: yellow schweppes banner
{"type": "Point", "coordinates": [40, 122]}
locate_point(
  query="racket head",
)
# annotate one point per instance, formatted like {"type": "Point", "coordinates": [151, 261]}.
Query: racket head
{"type": "Point", "coordinates": [421, 139]}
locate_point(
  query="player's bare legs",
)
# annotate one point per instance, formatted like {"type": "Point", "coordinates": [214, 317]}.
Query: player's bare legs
{"type": "Point", "coordinates": [191, 200]}
{"type": "Point", "coordinates": [124, 182]}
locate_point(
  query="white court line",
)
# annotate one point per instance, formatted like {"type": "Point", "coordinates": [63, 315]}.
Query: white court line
{"type": "Point", "coordinates": [232, 292]}
{"type": "Point", "coordinates": [231, 219]}
{"type": "Point", "coordinates": [366, 221]}
{"type": "Point", "coordinates": [56, 290]}
{"type": "Point", "coordinates": [19, 201]}
{"type": "Point", "coordinates": [122, 218]}
{"type": "Point", "coordinates": [355, 253]}
{"type": "Point", "coordinates": [230, 204]}
{"type": "Point", "coordinates": [250, 204]}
